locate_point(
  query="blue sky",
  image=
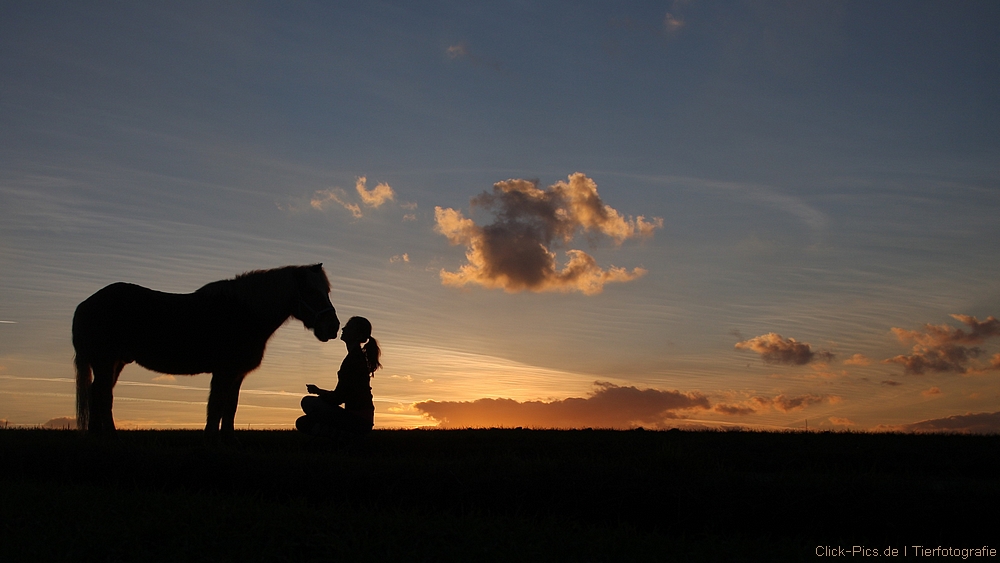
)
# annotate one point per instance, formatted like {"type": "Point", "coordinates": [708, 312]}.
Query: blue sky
{"type": "Point", "coordinates": [825, 171]}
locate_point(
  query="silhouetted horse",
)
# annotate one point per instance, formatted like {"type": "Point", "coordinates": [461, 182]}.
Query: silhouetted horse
{"type": "Point", "coordinates": [220, 329]}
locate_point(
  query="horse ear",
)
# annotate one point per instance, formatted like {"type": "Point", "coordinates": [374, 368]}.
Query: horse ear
{"type": "Point", "coordinates": [317, 267]}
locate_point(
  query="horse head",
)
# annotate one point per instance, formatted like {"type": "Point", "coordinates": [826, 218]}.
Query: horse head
{"type": "Point", "coordinates": [313, 305]}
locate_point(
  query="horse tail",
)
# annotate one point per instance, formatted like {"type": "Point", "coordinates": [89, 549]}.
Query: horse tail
{"type": "Point", "coordinates": [83, 380]}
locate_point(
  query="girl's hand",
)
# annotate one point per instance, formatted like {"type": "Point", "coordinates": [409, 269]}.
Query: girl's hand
{"type": "Point", "coordinates": [312, 389]}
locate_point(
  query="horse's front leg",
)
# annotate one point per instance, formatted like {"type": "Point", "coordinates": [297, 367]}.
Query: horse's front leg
{"type": "Point", "coordinates": [221, 382]}
{"type": "Point", "coordinates": [222, 400]}
{"type": "Point", "coordinates": [232, 398]}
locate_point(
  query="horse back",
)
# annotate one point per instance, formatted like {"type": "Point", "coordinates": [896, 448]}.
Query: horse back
{"type": "Point", "coordinates": [178, 333]}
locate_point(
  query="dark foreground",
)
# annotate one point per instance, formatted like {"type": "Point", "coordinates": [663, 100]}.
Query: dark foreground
{"type": "Point", "coordinates": [492, 495]}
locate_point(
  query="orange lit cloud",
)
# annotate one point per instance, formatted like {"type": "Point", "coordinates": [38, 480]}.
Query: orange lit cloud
{"type": "Point", "coordinates": [858, 360]}
{"type": "Point", "coordinates": [672, 23]}
{"type": "Point", "coordinates": [971, 423]}
{"type": "Point", "coordinates": [376, 196]}
{"type": "Point", "coordinates": [840, 421]}
{"type": "Point", "coordinates": [944, 348]}
{"type": "Point", "coordinates": [931, 392]}
{"type": "Point", "coordinates": [513, 252]}
{"type": "Point", "coordinates": [609, 406]}
{"type": "Point", "coordinates": [774, 349]}
{"type": "Point", "coordinates": [323, 198]}
{"type": "Point", "coordinates": [404, 257]}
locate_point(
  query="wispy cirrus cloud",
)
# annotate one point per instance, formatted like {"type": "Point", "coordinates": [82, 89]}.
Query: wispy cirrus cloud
{"type": "Point", "coordinates": [774, 349]}
{"type": "Point", "coordinates": [609, 406]}
{"type": "Point", "coordinates": [944, 348]}
{"type": "Point", "coordinates": [512, 253]}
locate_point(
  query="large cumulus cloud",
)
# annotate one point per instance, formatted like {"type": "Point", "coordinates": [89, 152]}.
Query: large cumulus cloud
{"type": "Point", "coordinates": [513, 253]}
{"type": "Point", "coordinates": [609, 406]}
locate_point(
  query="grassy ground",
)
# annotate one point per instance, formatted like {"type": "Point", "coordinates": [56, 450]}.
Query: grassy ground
{"type": "Point", "coordinates": [489, 495]}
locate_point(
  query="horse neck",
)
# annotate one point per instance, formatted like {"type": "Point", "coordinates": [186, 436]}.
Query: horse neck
{"type": "Point", "coordinates": [272, 300]}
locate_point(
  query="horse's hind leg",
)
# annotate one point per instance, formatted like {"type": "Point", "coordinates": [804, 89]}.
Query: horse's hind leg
{"type": "Point", "coordinates": [101, 397]}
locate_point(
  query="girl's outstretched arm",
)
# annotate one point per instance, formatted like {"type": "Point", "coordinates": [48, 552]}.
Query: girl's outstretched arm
{"type": "Point", "coordinates": [332, 397]}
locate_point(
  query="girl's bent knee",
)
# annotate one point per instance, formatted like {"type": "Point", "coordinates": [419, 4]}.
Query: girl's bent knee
{"type": "Point", "coordinates": [308, 403]}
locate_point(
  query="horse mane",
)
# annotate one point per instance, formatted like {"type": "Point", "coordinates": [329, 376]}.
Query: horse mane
{"type": "Point", "coordinates": [249, 287]}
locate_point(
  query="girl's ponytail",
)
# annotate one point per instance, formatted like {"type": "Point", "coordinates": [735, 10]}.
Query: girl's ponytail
{"type": "Point", "coordinates": [372, 355]}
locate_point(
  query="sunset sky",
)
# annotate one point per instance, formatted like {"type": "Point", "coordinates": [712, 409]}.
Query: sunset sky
{"type": "Point", "coordinates": [692, 214]}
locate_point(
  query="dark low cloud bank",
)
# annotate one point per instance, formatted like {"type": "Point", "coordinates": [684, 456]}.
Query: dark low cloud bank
{"type": "Point", "coordinates": [609, 406]}
{"type": "Point", "coordinates": [972, 423]}
{"type": "Point", "coordinates": [734, 410]}
{"type": "Point", "coordinates": [774, 349]}
{"type": "Point", "coordinates": [61, 423]}
{"type": "Point", "coordinates": [944, 348]}
{"type": "Point", "coordinates": [783, 403]}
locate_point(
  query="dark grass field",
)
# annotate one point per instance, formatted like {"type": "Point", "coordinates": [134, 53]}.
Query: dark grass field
{"type": "Point", "coordinates": [491, 495]}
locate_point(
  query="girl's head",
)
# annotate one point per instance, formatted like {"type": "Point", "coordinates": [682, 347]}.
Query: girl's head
{"type": "Point", "coordinates": [358, 330]}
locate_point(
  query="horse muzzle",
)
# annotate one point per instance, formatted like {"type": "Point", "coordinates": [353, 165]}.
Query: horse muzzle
{"type": "Point", "coordinates": [325, 331]}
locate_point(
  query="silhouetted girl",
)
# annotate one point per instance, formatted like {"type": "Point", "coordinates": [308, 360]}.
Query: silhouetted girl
{"type": "Point", "coordinates": [324, 415]}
